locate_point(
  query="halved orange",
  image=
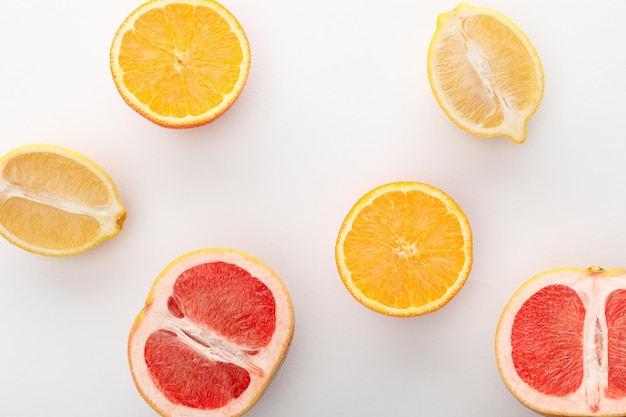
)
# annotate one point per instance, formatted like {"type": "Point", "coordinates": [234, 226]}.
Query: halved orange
{"type": "Point", "coordinates": [561, 342]}
{"type": "Point", "coordinates": [180, 63]}
{"type": "Point", "coordinates": [54, 201]}
{"type": "Point", "coordinates": [215, 327]}
{"type": "Point", "coordinates": [404, 249]}
{"type": "Point", "coordinates": [484, 72]}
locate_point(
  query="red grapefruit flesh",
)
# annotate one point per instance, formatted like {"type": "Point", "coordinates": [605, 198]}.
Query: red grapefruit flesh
{"type": "Point", "coordinates": [561, 343]}
{"type": "Point", "coordinates": [216, 325]}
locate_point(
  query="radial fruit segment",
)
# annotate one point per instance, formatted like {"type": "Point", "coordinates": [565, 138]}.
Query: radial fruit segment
{"type": "Point", "coordinates": [561, 343]}
{"type": "Point", "coordinates": [215, 327]}
{"type": "Point", "coordinates": [404, 249]}
{"type": "Point", "coordinates": [56, 202]}
{"type": "Point", "coordinates": [484, 72]}
{"type": "Point", "coordinates": [180, 63]}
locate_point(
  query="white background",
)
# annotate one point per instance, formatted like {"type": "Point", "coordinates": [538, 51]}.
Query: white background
{"type": "Point", "coordinates": [337, 103]}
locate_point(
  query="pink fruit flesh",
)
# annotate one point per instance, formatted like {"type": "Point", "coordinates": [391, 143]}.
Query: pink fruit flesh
{"type": "Point", "coordinates": [228, 300]}
{"type": "Point", "coordinates": [616, 323]}
{"type": "Point", "coordinates": [547, 340]}
{"type": "Point", "coordinates": [224, 301]}
{"type": "Point", "coordinates": [187, 378]}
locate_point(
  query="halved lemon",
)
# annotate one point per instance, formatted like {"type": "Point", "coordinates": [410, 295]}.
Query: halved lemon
{"type": "Point", "coordinates": [56, 202]}
{"type": "Point", "coordinates": [484, 72]}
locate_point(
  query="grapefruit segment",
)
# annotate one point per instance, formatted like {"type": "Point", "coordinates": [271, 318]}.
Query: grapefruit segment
{"type": "Point", "coordinates": [215, 327]}
{"type": "Point", "coordinates": [173, 362]}
{"type": "Point", "coordinates": [546, 340]}
{"type": "Point", "coordinates": [560, 343]}
{"type": "Point", "coordinates": [616, 343]}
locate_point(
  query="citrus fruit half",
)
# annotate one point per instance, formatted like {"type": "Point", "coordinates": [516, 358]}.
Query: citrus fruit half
{"type": "Point", "coordinates": [56, 202]}
{"type": "Point", "coordinates": [215, 327]}
{"type": "Point", "coordinates": [561, 342]}
{"type": "Point", "coordinates": [180, 63]}
{"type": "Point", "coordinates": [484, 72]}
{"type": "Point", "coordinates": [404, 249]}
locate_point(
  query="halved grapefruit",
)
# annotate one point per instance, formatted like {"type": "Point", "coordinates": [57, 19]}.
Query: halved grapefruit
{"type": "Point", "coordinates": [215, 327]}
{"type": "Point", "coordinates": [561, 342]}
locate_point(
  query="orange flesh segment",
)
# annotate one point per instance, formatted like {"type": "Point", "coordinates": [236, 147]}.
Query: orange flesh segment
{"type": "Point", "coordinates": [178, 73]}
{"type": "Point", "coordinates": [401, 262]}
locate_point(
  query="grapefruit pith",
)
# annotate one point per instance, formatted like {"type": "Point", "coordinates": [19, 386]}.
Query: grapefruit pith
{"type": "Point", "coordinates": [215, 327]}
{"type": "Point", "coordinates": [561, 342]}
